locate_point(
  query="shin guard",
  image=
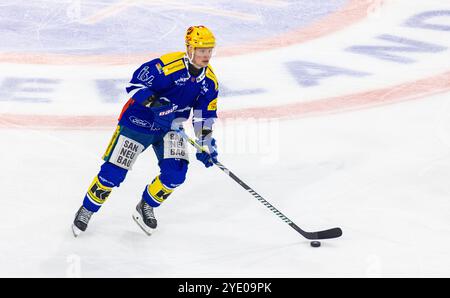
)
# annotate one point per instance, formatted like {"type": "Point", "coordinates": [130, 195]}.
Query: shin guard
{"type": "Point", "coordinates": [156, 192]}
{"type": "Point", "coordinates": [96, 195]}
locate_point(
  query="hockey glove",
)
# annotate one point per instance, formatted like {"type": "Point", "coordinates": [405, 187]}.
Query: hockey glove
{"type": "Point", "coordinates": [208, 159]}
{"type": "Point", "coordinates": [163, 112]}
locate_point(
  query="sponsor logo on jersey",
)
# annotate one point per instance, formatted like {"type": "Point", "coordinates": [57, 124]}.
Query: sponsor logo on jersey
{"type": "Point", "coordinates": [204, 87]}
{"type": "Point", "coordinates": [167, 112]}
{"type": "Point", "coordinates": [140, 122]}
{"type": "Point", "coordinates": [182, 81]}
{"type": "Point", "coordinates": [144, 123]}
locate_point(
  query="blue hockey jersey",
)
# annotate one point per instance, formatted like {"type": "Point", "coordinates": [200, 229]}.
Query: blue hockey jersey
{"type": "Point", "coordinates": [168, 76]}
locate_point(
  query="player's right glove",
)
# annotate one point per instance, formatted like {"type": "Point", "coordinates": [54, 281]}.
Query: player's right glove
{"type": "Point", "coordinates": [206, 139]}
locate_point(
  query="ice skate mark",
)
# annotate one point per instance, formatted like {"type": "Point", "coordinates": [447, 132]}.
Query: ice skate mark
{"type": "Point", "coordinates": [354, 11]}
{"type": "Point", "coordinates": [274, 3]}
{"type": "Point", "coordinates": [108, 12]}
{"type": "Point", "coordinates": [182, 5]}
{"type": "Point", "coordinates": [116, 8]}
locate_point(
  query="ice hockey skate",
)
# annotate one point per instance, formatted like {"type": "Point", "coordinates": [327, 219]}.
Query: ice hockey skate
{"type": "Point", "coordinates": [81, 221]}
{"type": "Point", "coordinates": [144, 217]}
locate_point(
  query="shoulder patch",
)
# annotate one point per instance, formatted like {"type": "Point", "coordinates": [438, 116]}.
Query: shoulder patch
{"type": "Point", "coordinates": [159, 68]}
{"type": "Point", "coordinates": [210, 74]}
{"type": "Point", "coordinates": [173, 67]}
{"type": "Point", "coordinates": [171, 57]}
{"type": "Point", "coordinates": [213, 105]}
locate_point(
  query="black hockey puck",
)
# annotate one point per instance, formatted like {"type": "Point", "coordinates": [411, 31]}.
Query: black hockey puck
{"type": "Point", "coordinates": [315, 243]}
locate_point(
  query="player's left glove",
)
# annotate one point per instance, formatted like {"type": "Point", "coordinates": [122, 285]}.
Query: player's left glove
{"type": "Point", "coordinates": [163, 112]}
{"type": "Point", "coordinates": [206, 140]}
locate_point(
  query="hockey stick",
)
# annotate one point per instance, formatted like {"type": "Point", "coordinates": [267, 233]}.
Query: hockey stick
{"type": "Point", "coordinates": [326, 234]}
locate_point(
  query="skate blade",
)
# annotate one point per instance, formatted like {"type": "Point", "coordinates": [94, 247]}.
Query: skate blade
{"type": "Point", "coordinates": [76, 231]}
{"type": "Point", "coordinates": [138, 219]}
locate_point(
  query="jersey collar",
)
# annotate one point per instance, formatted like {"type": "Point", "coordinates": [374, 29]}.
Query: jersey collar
{"type": "Point", "coordinates": [201, 76]}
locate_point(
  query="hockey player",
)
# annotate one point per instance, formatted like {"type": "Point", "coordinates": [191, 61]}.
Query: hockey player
{"type": "Point", "coordinates": [162, 94]}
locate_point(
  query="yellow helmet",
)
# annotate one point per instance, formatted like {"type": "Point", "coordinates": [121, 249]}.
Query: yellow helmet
{"type": "Point", "coordinates": [199, 37]}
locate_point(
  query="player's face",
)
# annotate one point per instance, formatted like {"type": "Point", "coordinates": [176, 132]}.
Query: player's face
{"type": "Point", "coordinates": [202, 56]}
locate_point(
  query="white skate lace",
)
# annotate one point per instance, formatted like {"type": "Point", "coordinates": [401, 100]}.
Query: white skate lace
{"type": "Point", "coordinates": [148, 210]}
{"type": "Point", "coordinates": [84, 215]}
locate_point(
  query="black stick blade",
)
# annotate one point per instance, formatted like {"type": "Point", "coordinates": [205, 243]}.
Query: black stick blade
{"type": "Point", "coordinates": [328, 234]}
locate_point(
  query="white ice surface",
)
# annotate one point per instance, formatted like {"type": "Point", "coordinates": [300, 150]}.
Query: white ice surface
{"type": "Point", "coordinates": [381, 174]}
